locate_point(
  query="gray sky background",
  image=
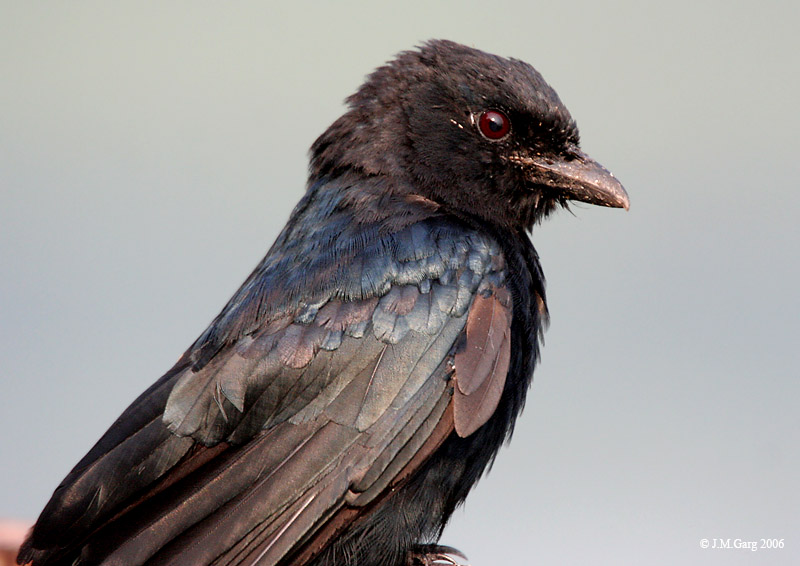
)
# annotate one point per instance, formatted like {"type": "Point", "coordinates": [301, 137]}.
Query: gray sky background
{"type": "Point", "coordinates": [150, 152]}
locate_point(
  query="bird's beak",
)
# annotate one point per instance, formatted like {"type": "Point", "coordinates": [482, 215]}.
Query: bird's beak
{"type": "Point", "coordinates": [580, 178]}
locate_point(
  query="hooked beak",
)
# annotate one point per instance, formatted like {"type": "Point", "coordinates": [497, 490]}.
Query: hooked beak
{"type": "Point", "coordinates": [580, 178]}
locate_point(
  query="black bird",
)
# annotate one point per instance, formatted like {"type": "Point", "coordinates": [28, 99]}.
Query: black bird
{"type": "Point", "coordinates": [357, 385]}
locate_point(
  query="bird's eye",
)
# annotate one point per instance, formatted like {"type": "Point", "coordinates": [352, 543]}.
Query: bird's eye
{"type": "Point", "coordinates": [494, 125]}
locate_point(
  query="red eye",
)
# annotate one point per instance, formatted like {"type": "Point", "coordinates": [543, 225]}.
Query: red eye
{"type": "Point", "coordinates": [494, 125]}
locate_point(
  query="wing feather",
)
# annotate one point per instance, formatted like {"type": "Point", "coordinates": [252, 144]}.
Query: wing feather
{"type": "Point", "coordinates": [482, 363]}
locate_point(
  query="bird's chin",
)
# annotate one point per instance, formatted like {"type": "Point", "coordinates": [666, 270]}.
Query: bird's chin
{"type": "Point", "coordinates": [539, 202]}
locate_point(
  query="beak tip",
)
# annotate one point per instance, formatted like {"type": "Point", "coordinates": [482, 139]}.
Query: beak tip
{"type": "Point", "coordinates": [612, 194]}
{"type": "Point", "coordinates": [625, 202]}
{"type": "Point", "coordinates": [612, 189]}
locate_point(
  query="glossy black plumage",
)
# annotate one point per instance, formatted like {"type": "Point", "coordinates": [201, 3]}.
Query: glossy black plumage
{"type": "Point", "coordinates": [357, 385]}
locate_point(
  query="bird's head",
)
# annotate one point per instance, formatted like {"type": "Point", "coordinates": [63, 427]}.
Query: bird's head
{"type": "Point", "coordinates": [480, 135]}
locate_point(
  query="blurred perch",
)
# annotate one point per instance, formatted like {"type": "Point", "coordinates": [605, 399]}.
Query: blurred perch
{"type": "Point", "coordinates": [12, 533]}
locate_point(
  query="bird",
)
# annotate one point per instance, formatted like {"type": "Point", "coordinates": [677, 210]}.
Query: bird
{"type": "Point", "coordinates": [362, 379]}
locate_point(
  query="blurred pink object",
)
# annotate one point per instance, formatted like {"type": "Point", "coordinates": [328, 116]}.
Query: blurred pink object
{"type": "Point", "coordinates": [12, 533]}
